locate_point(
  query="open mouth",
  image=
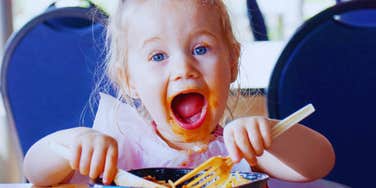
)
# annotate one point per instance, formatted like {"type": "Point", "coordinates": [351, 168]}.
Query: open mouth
{"type": "Point", "coordinates": [189, 110]}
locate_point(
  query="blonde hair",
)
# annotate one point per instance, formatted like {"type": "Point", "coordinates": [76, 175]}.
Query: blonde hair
{"type": "Point", "coordinates": [116, 59]}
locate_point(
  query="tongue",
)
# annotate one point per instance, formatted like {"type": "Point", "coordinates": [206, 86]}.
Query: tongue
{"type": "Point", "coordinates": [188, 106]}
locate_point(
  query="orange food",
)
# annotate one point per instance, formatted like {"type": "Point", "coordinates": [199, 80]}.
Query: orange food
{"type": "Point", "coordinates": [233, 181]}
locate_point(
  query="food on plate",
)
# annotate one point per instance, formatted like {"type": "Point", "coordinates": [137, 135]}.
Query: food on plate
{"type": "Point", "coordinates": [233, 181]}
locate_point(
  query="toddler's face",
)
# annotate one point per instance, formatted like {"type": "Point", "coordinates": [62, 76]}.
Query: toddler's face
{"type": "Point", "coordinates": [179, 66]}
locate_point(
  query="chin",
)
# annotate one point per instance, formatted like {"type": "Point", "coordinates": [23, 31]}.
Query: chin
{"type": "Point", "coordinates": [200, 134]}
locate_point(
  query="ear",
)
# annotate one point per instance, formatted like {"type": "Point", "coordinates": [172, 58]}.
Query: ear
{"type": "Point", "coordinates": [126, 84]}
{"type": "Point", "coordinates": [234, 61]}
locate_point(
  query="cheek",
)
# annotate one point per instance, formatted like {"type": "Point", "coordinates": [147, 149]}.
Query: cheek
{"type": "Point", "coordinates": [217, 68]}
{"type": "Point", "coordinates": [219, 85]}
{"type": "Point", "coordinates": [150, 84]}
{"type": "Point", "coordinates": [218, 77]}
{"type": "Point", "coordinates": [151, 89]}
{"type": "Point", "coordinates": [218, 100]}
{"type": "Point", "coordinates": [153, 100]}
{"type": "Point", "coordinates": [218, 80]}
{"type": "Point", "coordinates": [146, 78]}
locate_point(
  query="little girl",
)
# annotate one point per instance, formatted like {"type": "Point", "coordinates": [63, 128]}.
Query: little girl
{"type": "Point", "coordinates": [178, 58]}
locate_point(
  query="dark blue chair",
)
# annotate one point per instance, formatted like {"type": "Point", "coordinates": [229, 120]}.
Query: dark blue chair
{"type": "Point", "coordinates": [48, 71]}
{"type": "Point", "coordinates": [256, 21]}
{"type": "Point", "coordinates": [331, 62]}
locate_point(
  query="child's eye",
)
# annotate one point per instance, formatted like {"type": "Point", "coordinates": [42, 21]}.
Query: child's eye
{"type": "Point", "coordinates": [158, 57]}
{"type": "Point", "coordinates": [200, 50]}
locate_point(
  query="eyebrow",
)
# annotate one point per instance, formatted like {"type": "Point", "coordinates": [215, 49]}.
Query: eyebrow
{"type": "Point", "coordinates": [204, 32]}
{"type": "Point", "coordinates": [196, 33]}
{"type": "Point", "coordinates": [150, 40]}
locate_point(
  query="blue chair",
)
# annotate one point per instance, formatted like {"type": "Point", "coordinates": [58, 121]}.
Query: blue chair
{"type": "Point", "coordinates": [359, 18]}
{"type": "Point", "coordinates": [48, 71]}
{"type": "Point", "coordinates": [256, 21]}
{"type": "Point", "coordinates": [331, 63]}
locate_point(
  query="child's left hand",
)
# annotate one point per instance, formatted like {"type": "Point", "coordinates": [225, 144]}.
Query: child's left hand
{"type": "Point", "coordinates": [247, 138]}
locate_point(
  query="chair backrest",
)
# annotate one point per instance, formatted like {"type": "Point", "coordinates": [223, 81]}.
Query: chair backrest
{"type": "Point", "coordinates": [256, 21]}
{"type": "Point", "coordinates": [331, 63]}
{"type": "Point", "coordinates": [48, 71]}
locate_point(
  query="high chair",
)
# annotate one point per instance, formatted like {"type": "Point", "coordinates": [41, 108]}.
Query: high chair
{"type": "Point", "coordinates": [330, 62]}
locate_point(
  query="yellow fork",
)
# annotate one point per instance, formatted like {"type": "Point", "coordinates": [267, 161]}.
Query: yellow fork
{"type": "Point", "coordinates": [214, 168]}
{"type": "Point", "coordinates": [217, 169]}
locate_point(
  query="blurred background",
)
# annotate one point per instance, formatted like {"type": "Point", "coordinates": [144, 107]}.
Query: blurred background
{"type": "Point", "coordinates": [282, 17]}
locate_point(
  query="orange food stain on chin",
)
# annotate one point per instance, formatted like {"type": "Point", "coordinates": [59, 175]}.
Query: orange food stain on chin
{"type": "Point", "coordinates": [199, 134]}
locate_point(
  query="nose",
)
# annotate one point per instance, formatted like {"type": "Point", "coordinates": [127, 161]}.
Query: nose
{"type": "Point", "coordinates": [184, 67]}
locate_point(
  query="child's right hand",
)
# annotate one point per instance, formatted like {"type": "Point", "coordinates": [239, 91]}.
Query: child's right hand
{"type": "Point", "coordinates": [93, 154]}
{"type": "Point", "coordinates": [248, 138]}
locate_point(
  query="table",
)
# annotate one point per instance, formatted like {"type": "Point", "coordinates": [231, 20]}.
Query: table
{"type": "Point", "coordinates": [272, 184]}
{"type": "Point", "coordinates": [321, 183]}
{"type": "Point", "coordinates": [28, 185]}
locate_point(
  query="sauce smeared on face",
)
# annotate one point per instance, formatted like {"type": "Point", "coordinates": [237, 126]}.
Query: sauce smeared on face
{"type": "Point", "coordinates": [191, 116]}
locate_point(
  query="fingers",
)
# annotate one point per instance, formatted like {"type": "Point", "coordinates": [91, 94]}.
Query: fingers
{"type": "Point", "coordinates": [85, 160]}
{"type": "Point", "coordinates": [98, 161]}
{"type": "Point", "coordinates": [247, 138]}
{"type": "Point", "coordinates": [229, 139]}
{"type": "Point", "coordinates": [265, 130]}
{"type": "Point", "coordinates": [255, 137]}
{"type": "Point", "coordinates": [95, 154]}
{"type": "Point", "coordinates": [75, 161]}
{"type": "Point", "coordinates": [243, 143]}
{"type": "Point", "coordinates": [110, 168]}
